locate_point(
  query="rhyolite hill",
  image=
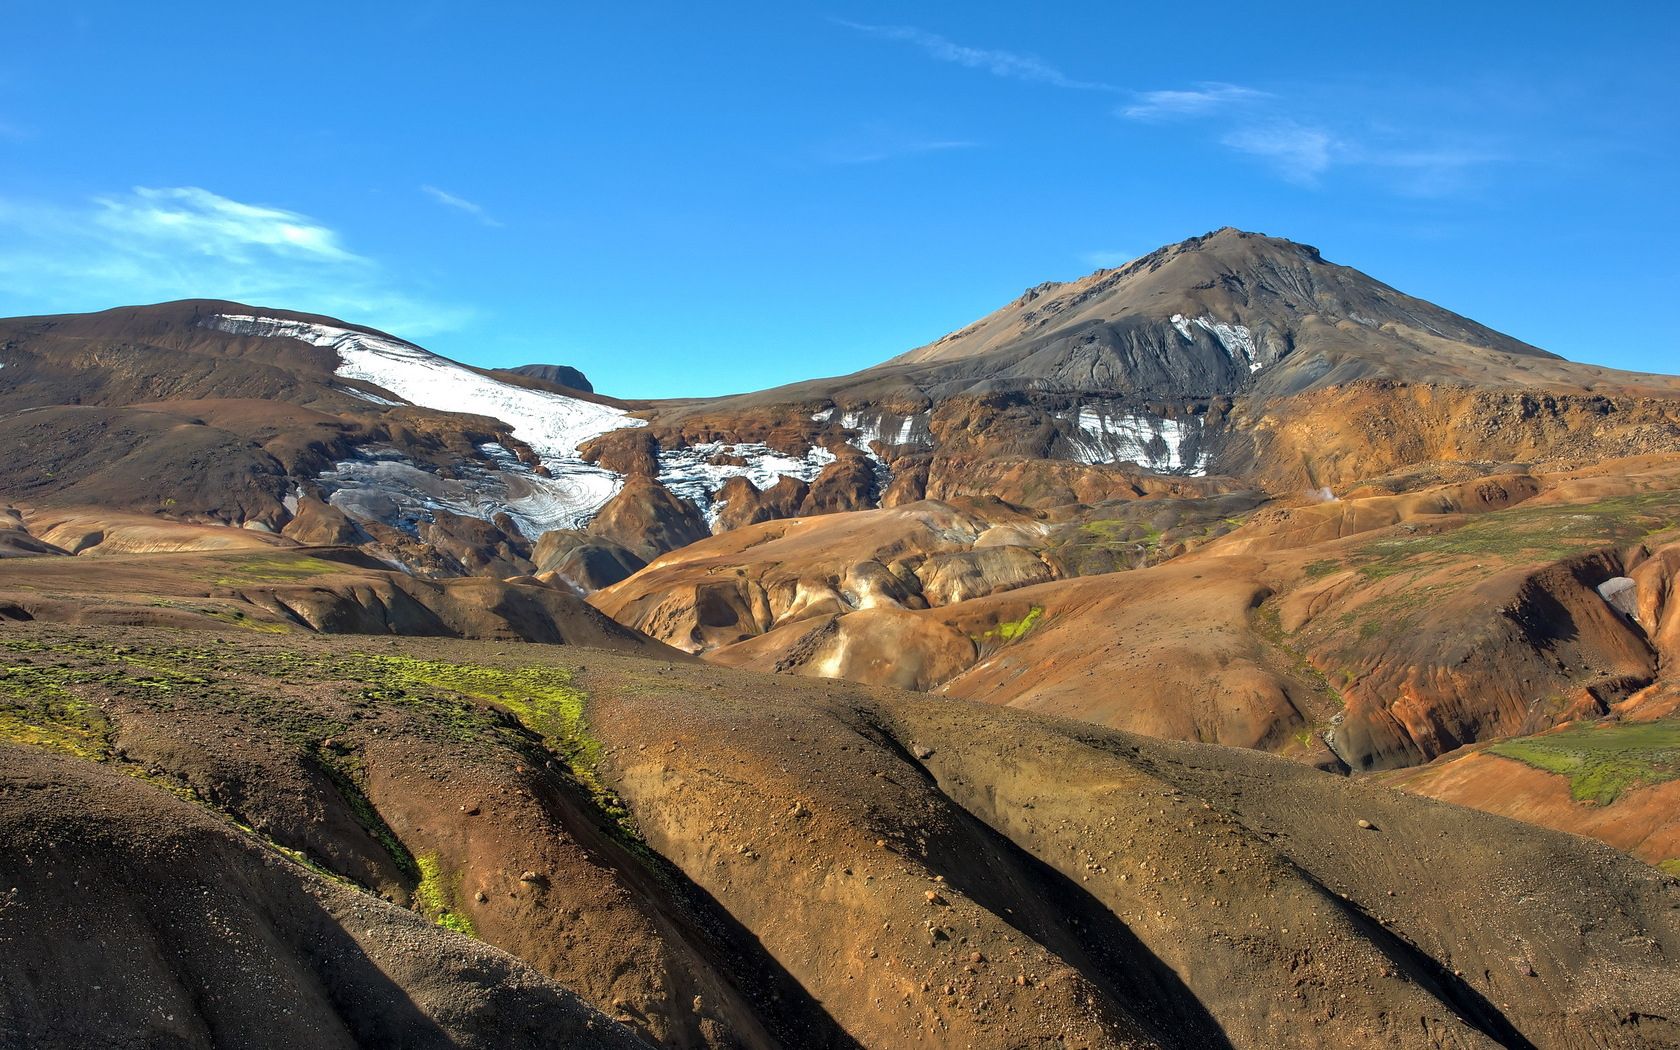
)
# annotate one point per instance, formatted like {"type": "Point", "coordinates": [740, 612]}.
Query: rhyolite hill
{"type": "Point", "coordinates": [1043, 685]}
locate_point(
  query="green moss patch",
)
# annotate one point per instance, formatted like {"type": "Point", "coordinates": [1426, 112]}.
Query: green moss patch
{"type": "Point", "coordinates": [245, 571]}
{"type": "Point", "coordinates": [1014, 630]}
{"type": "Point", "coordinates": [542, 698]}
{"type": "Point", "coordinates": [1526, 534]}
{"type": "Point", "coordinates": [1602, 761]}
{"type": "Point", "coordinates": [38, 709]}
{"type": "Point", "coordinates": [437, 896]}
{"type": "Point", "coordinates": [1323, 567]}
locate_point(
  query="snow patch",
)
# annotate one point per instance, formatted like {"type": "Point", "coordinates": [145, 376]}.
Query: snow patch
{"type": "Point", "coordinates": [887, 429]}
{"type": "Point", "coordinates": [382, 484]}
{"type": "Point", "coordinates": [1183, 325]}
{"type": "Point", "coordinates": [365, 396]}
{"type": "Point", "coordinates": [1622, 595]}
{"type": "Point", "coordinates": [689, 472]}
{"type": "Point", "coordinates": [553, 425]}
{"type": "Point", "coordinates": [1234, 338]}
{"type": "Point", "coordinates": [1156, 443]}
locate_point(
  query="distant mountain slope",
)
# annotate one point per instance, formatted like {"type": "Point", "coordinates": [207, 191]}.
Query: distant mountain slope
{"type": "Point", "coordinates": [1247, 358]}
{"type": "Point", "coordinates": [1181, 361]}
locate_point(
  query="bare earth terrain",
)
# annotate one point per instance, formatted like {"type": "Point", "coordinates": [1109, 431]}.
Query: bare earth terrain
{"type": "Point", "coordinates": [1222, 650]}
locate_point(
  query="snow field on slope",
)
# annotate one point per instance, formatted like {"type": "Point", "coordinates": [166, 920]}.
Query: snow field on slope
{"type": "Point", "coordinates": [553, 425]}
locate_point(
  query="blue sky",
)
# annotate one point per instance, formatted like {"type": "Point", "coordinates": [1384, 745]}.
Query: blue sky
{"type": "Point", "coordinates": [690, 201]}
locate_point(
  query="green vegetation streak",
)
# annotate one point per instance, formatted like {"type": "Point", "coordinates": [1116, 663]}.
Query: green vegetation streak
{"type": "Point", "coordinates": [37, 710]}
{"type": "Point", "coordinates": [543, 699]}
{"type": "Point", "coordinates": [1602, 761]}
{"type": "Point", "coordinates": [1527, 534]}
{"type": "Point", "coordinates": [243, 571]}
{"type": "Point", "coordinates": [1013, 630]}
{"type": "Point", "coordinates": [438, 894]}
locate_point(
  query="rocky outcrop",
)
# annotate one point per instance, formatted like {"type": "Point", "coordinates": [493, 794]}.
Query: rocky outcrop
{"type": "Point", "coordinates": [477, 546]}
{"type": "Point", "coordinates": [740, 502]}
{"type": "Point", "coordinates": [950, 578]}
{"type": "Point", "coordinates": [461, 608]}
{"type": "Point", "coordinates": [583, 561]}
{"type": "Point", "coordinates": [16, 540]}
{"type": "Point", "coordinates": [849, 483]}
{"type": "Point", "coordinates": [633, 452]}
{"type": "Point", "coordinates": [646, 520]}
{"type": "Point", "coordinates": [319, 524]}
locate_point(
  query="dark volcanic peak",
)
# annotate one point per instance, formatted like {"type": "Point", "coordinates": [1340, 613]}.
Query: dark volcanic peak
{"type": "Point", "coordinates": [560, 375]}
{"type": "Point", "coordinates": [1269, 288]}
{"type": "Point", "coordinates": [1227, 313]}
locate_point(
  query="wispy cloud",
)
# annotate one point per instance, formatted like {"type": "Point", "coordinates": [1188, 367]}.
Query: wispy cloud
{"type": "Point", "coordinates": [195, 221]}
{"type": "Point", "coordinates": [1434, 171]}
{"type": "Point", "coordinates": [874, 144]}
{"type": "Point", "coordinates": [1298, 152]}
{"type": "Point", "coordinates": [1306, 154]}
{"type": "Point", "coordinates": [449, 200]}
{"type": "Point", "coordinates": [1204, 99]}
{"type": "Point", "coordinates": [152, 244]}
{"type": "Point", "coordinates": [1307, 140]}
{"type": "Point", "coordinates": [1107, 258]}
{"type": "Point", "coordinates": [1000, 63]}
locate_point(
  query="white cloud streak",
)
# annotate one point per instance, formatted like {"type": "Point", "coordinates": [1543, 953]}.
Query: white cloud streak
{"type": "Point", "coordinates": [999, 63]}
{"type": "Point", "coordinates": [449, 200]}
{"type": "Point", "coordinates": [199, 222]}
{"type": "Point", "coordinates": [872, 145]}
{"type": "Point", "coordinates": [154, 244]}
{"type": "Point", "coordinates": [1107, 258]}
{"type": "Point", "coordinates": [1306, 151]}
{"type": "Point", "coordinates": [1205, 99]}
{"type": "Point", "coordinates": [1297, 152]}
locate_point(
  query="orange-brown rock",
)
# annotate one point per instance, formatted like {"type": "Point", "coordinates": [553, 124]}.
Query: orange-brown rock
{"type": "Point", "coordinates": [645, 519]}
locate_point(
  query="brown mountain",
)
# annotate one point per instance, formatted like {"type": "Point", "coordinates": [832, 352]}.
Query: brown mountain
{"type": "Point", "coordinates": [925, 706]}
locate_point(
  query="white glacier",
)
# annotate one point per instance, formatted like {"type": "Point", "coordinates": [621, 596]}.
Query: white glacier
{"type": "Point", "coordinates": [553, 425]}
{"type": "Point", "coordinates": [688, 472]}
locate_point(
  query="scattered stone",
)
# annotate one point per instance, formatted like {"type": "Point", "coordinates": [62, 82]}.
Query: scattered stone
{"type": "Point", "coordinates": [1366, 825]}
{"type": "Point", "coordinates": [921, 753]}
{"type": "Point", "coordinates": [529, 876]}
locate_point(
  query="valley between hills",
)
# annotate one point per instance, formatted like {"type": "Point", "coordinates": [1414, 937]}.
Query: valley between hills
{"type": "Point", "coordinates": [1221, 650]}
